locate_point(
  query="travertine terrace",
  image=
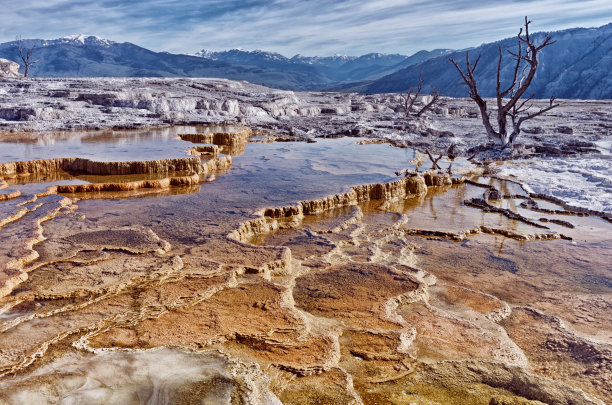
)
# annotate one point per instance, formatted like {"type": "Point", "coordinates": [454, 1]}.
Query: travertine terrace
{"type": "Point", "coordinates": [242, 269]}
{"type": "Point", "coordinates": [570, 144]}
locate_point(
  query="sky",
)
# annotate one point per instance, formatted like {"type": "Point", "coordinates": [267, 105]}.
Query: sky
{"type": "Point", "coordinates": [289, 27]}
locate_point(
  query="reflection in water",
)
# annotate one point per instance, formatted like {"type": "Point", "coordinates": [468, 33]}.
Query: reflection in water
{"type": "Point", "coordinates": [358, 303]}
{"type": "Point", "coordinates": [109, 145]}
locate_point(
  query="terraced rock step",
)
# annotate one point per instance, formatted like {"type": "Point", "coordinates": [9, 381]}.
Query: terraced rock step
{"type": "Point", "coordinates": [87, 166]}
{"type": "Point", "coordinates": [388, 292]}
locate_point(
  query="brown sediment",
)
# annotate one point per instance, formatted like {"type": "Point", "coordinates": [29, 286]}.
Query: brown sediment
{"type": "Point", "coordinates": [358, 294]}
{"type": "Point", "coordinates": [329, 387]}
{"type": "Point", "coordinates": [522, 236]}
{"type": "Point", "coordinates": [26, 227]}
{"type": "Point", "coordinates": [330, 312]}
{"type": "Point", "coordinates": [465, 332]}
{"type": "Point", "coordinates": [9, 196]}
{"type": "Point", "coordinates": [87, 166]}
{"type": "Point", "coordinates": [254, 319]}
{"type": "Point", "coordinates": [206, 150]}
{"type": "Point", "coordinates": [472, 383]}
{"type": "Point", "coordinates": [557, 353]}
{"type": "Point", "coordinates": [444, 335]}
{"type": "Point", "coordinates": [84, 237]}
{"type": "Point", "coordinates": [450, 296]}
{"type": "Point", "coordinates": [558, 222]}
{"type": "Point", "coordinates": [486, 207]}
{"type": "Point", "coordinates": [130, 186]}
{"type": "Point", "coordinates": [249, 259]}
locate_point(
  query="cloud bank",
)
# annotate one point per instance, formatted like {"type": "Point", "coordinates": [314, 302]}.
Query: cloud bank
{"type": "Point", "coordinates": [314, 27]}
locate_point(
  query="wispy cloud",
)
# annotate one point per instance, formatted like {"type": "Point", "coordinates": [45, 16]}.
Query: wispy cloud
{"type": "Point", "coordinates": [320, 27]}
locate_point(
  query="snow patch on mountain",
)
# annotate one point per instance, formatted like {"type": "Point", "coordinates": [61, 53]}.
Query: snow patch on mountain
{"type": "Point", "coordinates": [82, 39]}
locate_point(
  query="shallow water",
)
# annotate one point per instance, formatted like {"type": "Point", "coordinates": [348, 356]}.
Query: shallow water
{"type": "Point", "coordinates": [118, 145]}
{"type": "Point", "coordinates": [357, 304]}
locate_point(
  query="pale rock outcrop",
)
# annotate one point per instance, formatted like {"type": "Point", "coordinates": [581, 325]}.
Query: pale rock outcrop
{"type": "Point", "coordinates": [8, 68]}
{"type": "Point", "coordinates": [231, 106]}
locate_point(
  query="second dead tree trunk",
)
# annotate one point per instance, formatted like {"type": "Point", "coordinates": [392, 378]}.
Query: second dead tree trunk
{"type": "Point", "coordinates": [411, 97]}
{"type": "Point", "coordinates": [26, 56]}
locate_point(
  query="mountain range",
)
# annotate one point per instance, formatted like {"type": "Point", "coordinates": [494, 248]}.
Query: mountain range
{"type": "Point", "coordinates": [576, 66]}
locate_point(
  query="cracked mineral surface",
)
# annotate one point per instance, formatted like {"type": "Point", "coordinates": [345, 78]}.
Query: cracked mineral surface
{"type": "Point", "coordinates": [214, 265]}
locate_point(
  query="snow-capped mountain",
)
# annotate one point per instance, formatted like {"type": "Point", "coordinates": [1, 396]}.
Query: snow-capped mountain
{"type": "Point", "coordinates": [242, 57]}
{"type": "Point", "coordinates": [83, 55]}
{"type": "Point", "coordinates": [74, 40]}
{"type": "Point", "coordinates": [81, 39]}
{"type": "Point", "coordinates": [91, 56]}
{"type": "Point", "coordinates": [578, 65]}
{"type": "Point", "coordinates": [329, 61]}
{"type": "Point", "coordinates": [325, 70]}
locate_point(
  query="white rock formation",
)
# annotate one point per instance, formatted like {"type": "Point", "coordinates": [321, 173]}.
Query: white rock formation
{"type": "Point", "coordinates": [8, 68]}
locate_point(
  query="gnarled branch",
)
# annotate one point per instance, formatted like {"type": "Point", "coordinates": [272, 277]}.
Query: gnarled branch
{"type": "Point", "coordinates": [25, 54]}
{"type": "Point", "coordinates": [508, 98]}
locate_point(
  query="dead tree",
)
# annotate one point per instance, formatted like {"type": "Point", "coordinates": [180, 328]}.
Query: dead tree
{"type": "Point", "coordinates": [26, 56]}
{"type": "Point", "coordinates": [411, 96]}
{"type": "Point", "coordinates": [512, 111]}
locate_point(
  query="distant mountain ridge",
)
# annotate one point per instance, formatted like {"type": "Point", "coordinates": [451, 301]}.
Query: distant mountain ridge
{"type": "Point", "coordinates": [91, 56]}
{"type": "Point", "coordinates": [333, 69]}
{"type": "Point", "coordinates": [577, 66]}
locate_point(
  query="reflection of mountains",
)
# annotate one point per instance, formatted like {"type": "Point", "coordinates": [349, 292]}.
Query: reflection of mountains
{"type": "Point", "coordinates": [115, 137]}
{"type": "Point", "coordinates": [141, 193]}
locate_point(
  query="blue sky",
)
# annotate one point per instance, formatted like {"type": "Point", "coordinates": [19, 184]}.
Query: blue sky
{"type": "Point", "coordinates": [315, 27]}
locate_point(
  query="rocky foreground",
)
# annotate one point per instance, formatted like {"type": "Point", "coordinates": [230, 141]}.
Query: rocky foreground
{"type": "Point", "coordinates": [425, 288]}
{"type": "Point", "coordinates": [422, 288]}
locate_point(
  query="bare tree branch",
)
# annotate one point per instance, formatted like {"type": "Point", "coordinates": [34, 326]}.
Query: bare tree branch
{"type": "Point", "coordinates": [509, 99]}
{"type": "Point", "coordinates": [434, 100]}
{"type": "Point", "coordinates": [434, 161]}
{"type": "Point", "coordinates": [470, 81]}
{"type": "Point", "coordinates": [409, 98]}
{"type": "Point", "coordinates": [25, 54]}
